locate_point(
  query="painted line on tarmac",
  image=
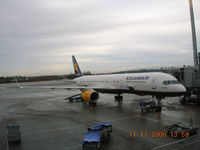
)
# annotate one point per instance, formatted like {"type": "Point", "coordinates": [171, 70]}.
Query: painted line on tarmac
{"type": "Point", "coordinates": [168, 144]}
{"type": "Point", "coordinates": [151, 119]}
{"type": "Point", "coordinates": [138, 116]}
{"type": "Point", "coordinates": [187, 144]}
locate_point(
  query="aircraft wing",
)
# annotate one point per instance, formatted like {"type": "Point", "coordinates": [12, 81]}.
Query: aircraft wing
{"type": "Point", "coordinates": [70, 87]}
{"type": "Point", "coordinates": [47, 87]}
{"type": "Point", "coordinates": [51, 87]}
{"type": "Point", "coordinates": [67, 87]}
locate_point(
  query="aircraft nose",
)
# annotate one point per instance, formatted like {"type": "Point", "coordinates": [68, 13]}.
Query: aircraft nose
{"type": "Point", "coordinates": [181, 88]}
{"type": "Point", "coordinates": [178, 90]}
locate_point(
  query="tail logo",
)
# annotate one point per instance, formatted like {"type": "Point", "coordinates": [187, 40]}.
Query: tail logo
{"type": "Point", "coordinates": [76, 68]}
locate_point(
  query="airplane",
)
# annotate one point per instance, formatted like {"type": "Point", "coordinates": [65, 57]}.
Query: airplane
{"type": "Point", "coordinates": [156, 84]}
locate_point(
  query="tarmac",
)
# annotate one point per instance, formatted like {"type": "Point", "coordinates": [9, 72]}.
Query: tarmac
{"type": "Point", "coordinates": [48, 122]}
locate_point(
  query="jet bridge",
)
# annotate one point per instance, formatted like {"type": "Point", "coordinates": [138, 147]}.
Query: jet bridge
{"type": "Point", "coordinates": [190, 76]}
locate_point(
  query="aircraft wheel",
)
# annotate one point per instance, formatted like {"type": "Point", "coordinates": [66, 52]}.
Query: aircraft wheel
{"type": "Point", "coordinates": [92, 103]}
{"type": "Point", "coordinates": [116, 98]}
{"type": "Point", "coordinates": [119, 98]}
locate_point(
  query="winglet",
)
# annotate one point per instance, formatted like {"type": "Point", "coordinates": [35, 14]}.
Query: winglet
{"type": "Point", "coordinates": [17, 83]}
{"type": "Point", "coordinates": [77, 70]}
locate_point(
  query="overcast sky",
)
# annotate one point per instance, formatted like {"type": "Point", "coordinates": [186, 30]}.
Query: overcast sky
{"type": "Point", "coordinates": [39, 37]}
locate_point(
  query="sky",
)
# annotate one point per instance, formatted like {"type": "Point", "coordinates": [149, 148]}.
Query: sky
{"type": "Point", "coordinates": [39, 37]}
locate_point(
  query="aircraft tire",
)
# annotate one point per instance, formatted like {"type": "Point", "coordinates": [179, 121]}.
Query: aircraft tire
{"type": "Point", "coordinates": [116, 98]}
{"type": "Point", "coordinates": [120, 98]}
{"type": "Point", "coordinates": [92, 103]}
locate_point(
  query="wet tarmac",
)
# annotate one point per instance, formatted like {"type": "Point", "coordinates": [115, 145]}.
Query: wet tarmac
{"type": "Point", "coordinates": [48, 122]}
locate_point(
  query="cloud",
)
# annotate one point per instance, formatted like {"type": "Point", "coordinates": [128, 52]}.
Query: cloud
{"type": "Point", "coordinates": [40, 37]}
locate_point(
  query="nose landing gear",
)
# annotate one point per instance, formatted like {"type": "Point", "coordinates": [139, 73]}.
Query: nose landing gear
{"type": "Point", "coordinates": [159, 104]}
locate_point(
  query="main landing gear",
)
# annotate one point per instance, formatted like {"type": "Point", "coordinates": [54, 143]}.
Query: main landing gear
{"type": "Point", "coordinates": [92, 103]}
{"type": "Point", "coordinates": [119, 98]}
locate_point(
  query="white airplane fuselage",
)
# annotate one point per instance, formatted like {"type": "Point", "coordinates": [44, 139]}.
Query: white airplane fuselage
{"type": "Point", "coordinates": [155, 83]}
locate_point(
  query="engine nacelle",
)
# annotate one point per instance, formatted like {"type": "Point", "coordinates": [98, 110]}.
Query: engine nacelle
{"type": "Point", "coordinates": [89, 95]}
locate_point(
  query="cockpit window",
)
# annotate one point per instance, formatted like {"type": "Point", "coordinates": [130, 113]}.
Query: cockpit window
{"type": "Point", "coordinates": [170, 82]}
{"type": "Point", "coordinates": [174, 82]}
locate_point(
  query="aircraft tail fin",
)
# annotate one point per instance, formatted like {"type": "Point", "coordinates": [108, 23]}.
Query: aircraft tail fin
{"type": "Point", "coordinates": [17, 82]}
{"type": "Point", "coordinates": [77, 70]}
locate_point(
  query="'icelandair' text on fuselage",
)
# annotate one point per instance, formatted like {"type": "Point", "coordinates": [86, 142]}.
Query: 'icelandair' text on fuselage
{"type": "Point", "coordinates": [138, 78]}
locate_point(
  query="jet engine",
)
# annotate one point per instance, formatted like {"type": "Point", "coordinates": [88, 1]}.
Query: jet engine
{"type": "Point", "coordinates": [90, 95]}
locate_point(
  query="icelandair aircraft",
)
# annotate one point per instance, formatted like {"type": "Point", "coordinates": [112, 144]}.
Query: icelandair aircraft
{"type": "Point", "coordinates": [157, 84]}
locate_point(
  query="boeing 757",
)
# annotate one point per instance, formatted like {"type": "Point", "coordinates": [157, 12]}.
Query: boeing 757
{"type": "Point", "coordinates": [157, 84]}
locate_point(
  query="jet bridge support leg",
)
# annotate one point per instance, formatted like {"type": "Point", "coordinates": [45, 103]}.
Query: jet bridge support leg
{"type": "Point", "coordinates": [192, 96]}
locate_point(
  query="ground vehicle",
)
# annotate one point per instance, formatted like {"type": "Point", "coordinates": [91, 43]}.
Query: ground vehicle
{"type": "Point", "coordinates": [150, 106]}
{"type": "Point", "coordinates": [14, 135]}
{"type": "Point", "coordinates": [96, 135]}
{"type": "Point", "coordinates": [181, 130]}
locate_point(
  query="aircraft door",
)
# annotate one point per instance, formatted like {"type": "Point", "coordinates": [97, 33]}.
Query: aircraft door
{"type": "Point", "coordinates": [106, 83]}
{"type": "Point", "coordinates": [122, 82]}
{"type": "Point", "coordinates": [154, 83]}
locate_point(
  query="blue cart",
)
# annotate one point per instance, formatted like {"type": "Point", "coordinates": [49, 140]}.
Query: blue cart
{"type": "Point", "coordinates": [96, 135]}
